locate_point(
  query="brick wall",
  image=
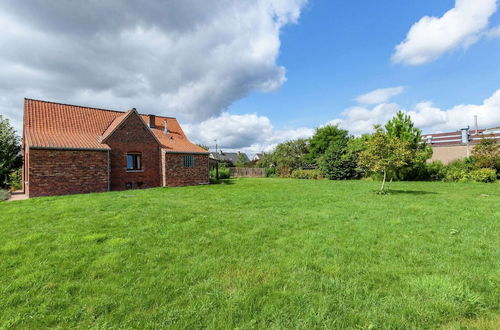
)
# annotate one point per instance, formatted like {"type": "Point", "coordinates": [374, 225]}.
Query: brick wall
{"type": "Point", "coordinates": [178, 175]}
{"type": "Point", "coordinates": [134, 137]}
{"type": "Point", "coordinates": [61, 172]}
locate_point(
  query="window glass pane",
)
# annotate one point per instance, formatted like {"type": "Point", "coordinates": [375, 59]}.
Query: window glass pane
{"type": "Point", "coordinates": [130, 162]}
{"type": "Point", "coordinates": [138, 162]}
{"type": "Point", "coordinates": [133, 162]}
{"type": "Point", "coordinates": [188, 161]}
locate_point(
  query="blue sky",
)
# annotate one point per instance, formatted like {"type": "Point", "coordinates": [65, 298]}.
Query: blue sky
{"type": "Point", "coordinates": [252, 74]}
{"type": "Point", "coordinates": [341, 49]}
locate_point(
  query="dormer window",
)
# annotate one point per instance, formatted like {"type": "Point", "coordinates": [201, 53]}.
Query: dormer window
{"type": "Point", "coordinates": [134, 162]}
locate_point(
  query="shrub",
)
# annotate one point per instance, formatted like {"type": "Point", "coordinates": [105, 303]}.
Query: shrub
{"type": "Point", "coordinates": [285, 171]}
{"type": "Point", "coordinates": [337, 164]}
{"type": "Point", "coordinates": [14, 180]}
{"type": "Point", "coordinates": [4, 195]}
{"type": "Point", "coordinates": [458, 170]}
{"type": "Point", "coordinates": [307, 174]}
{"type": "Point", "coordinates": [454, 174]}
{"type": "Point", "coordinates": [486, 154]}
{"type": "Point", "coordinates": [271, 172]}
{"type": "Point", "coordinates": [434, 171]}
{"type": "Point", "coordinates": [483, 175]}
{"type": "Point", "coordinates": [223, 173]}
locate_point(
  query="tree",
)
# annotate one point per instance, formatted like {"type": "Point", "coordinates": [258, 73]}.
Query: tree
{"type": "Point", "coordinates": [323, 138]}
{"type": "Point", "coordinates": [289, 156]}
{"type": "Point", "coordinates": [486, 154]}
{"type": "Point", "coordinates": [337, 163]}
{"type": "Point", "coordinates": [384, 154]}
{"type": "Point", "coordinates": [10, 148]}
{"type": "Point", "coordinates": [402, 128]}
{"type": "Point", "coordinates": [242, 161]}
{"type": "Point", "coordinates": [203, 146]}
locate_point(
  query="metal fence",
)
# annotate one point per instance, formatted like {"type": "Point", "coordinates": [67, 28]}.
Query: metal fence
{"type": "Point", "coordinates": [242, 172]}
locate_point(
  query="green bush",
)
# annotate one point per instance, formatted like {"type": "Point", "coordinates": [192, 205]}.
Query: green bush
{"type": "Point", "coordinates": [454, 174]}
{"type": "Point", "coordinates": [435, 171]}
{"type": "Point", "coordinates": [4, 195]}
{"type": "Point", "coordinates": [337, 164]}
{"type": "Point", "coordinates": [271, 172]}
{"type": "Point", "coordinates": [306, 174]}
{"type": "Point", "coordinates": [483, 175]}
{"type": "Point", "coordinates": [223, 173]}
{"type": "Point", "coordinates": [458, 170]}
{"type": "Point", "coordinates": [14, 180]}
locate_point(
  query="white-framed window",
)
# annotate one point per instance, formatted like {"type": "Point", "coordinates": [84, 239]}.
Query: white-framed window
{"type": "Point", "coordinates": [189, 161]}
{"type": "Point", "coordinates": [134, 162]}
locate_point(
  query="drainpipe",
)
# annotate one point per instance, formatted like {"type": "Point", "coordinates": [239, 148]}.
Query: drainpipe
{"type": "Point", "coordinates": [109, 172]}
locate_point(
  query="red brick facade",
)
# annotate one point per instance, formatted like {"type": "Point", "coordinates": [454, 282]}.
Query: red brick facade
{"type": "Point", "coordinates": [61, 172]}
{"type": "Point", "coordinates": [178, 175]}
{"type": "Point", "coordinates": [133, 137]}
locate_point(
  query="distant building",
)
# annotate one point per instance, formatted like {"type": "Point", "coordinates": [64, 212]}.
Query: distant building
{"type": "Point", "coordinates": [231, 158]}
{"type": "Point", "coordinates": [451, 146]}
{"type": "Point", "coordinates": [257, 157]}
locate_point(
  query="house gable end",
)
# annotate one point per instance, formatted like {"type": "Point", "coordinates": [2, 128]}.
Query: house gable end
{"type": "Point", "coordinates": [122, 122]}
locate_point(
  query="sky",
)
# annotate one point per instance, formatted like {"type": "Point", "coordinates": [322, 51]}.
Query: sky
{"type": "Point", "coordinates": [250, 74]}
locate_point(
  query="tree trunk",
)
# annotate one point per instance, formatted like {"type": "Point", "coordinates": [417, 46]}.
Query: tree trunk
{"type": "Point", "coordinates": [383, 181]}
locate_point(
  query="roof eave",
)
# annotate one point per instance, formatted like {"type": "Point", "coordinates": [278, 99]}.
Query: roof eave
{"type": "Point", "coordinates": [186, 152]}
{"type": "Point", "coordinates": [68, 148]}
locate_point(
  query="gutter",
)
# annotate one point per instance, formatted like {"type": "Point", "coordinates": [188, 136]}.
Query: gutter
{"type": "Point", "coordinates": [187, 152]}
{"type": "Point", "coordinates": [69, 148]}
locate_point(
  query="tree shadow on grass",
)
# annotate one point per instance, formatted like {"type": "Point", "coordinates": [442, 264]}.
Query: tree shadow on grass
{"type": "Point", "coordinates": [411, 192]}
{"type": "Point", "coordinates": [222, 181]}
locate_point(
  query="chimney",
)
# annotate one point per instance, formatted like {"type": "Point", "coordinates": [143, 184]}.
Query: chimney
{"type": "Point", "coordinates": [465, 135]}
{"type": "Point", "coordinates": [152, 121]}
{"type": "Point", "coordinates": [165, 129]}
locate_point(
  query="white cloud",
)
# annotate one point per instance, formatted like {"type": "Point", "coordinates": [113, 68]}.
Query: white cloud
{"type": "Point", "coordinates": [431, 37]}
{"type": "Point", "coordinates": [186, 58]}
{"type": "Point", "coordinates": [425, 115]}
{"type": "Point", "coordinates": [433, 119]}
{"type": "Point", "coordinates": [493, 33]}
{"type": "Point", "coordinates": [359, 120]}
{"type": "Point", "coordinates": [379, 95]}
{"type": "Point", "coordinates": [248, 133]}
{"type": "Point", "coordinates": [252, 133]}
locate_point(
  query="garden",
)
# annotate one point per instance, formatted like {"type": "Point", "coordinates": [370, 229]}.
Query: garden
{"type": "Point", "coordinates": [255, 253]}
{"type": "Point", "coordinates": [395, 151]}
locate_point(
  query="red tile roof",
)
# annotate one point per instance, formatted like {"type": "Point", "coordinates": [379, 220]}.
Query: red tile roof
{"type": "Point", "coordinates": [56, 125]}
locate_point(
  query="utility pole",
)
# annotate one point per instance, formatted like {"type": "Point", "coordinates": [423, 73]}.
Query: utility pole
{"type": "Point", "coordinates": [216, 162]}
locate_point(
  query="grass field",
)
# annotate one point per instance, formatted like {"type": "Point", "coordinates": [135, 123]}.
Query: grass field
{"type": "Point", "coordinates": [255, 253]}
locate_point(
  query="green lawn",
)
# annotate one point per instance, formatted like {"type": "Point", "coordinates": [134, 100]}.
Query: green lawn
{"type": "Point", "coordinates": [256, 253]}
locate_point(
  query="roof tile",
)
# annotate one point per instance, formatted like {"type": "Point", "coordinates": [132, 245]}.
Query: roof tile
{"type": "Point", "coordinates": [56, 125]}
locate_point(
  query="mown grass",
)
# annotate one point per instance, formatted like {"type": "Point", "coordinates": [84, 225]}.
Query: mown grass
{"type": "Point", "coordinates": [257, 253]}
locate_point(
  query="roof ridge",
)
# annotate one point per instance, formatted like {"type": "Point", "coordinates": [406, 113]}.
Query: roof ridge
{"type": "Point", "coordinates": [94, 108]}
{"type": "Point", "coordinates": [73, 105]}
{"type": "Point", "coordinates": [157, 116]}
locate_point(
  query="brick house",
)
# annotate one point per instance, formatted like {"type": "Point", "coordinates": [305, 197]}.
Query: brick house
{"type": "Point", "coordinates": [71, 149]}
